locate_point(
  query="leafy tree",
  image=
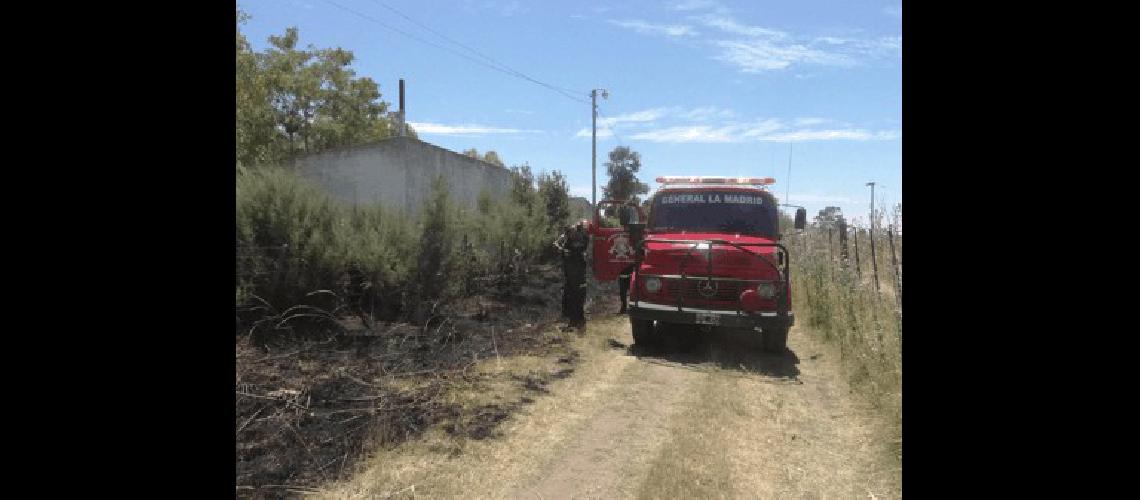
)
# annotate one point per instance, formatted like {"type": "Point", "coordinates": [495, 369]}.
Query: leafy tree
{"type": "Point", "coordinates": [622, 168]}
{"type": "Point", "coordinates": [555, 195]}
{"type": "Point", "coordinates": [830, 217]}
{"type": "Point", "coordinates": [489, 157]}
{"type": "Point", "coordinates": [493, 158]}
{"type": "Point", "coordinates": [291, 99]}
{"type": "Point", "coordinates": [255, 119]}
{"type": "Point", "coordinates": [522, 186]}
{"type": "Point", "coordinates": [436, 242]}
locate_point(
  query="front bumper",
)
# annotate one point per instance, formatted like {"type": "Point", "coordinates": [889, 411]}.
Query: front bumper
{"type": "Point", "coordinates": [689, 315]}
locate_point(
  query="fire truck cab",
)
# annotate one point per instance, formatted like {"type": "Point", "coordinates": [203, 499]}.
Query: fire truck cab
{"type": "Point", "coordinates": [708, 255]}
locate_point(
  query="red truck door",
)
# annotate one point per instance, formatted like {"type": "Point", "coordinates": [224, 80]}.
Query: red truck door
{"type": "Point", "coordinates": [613, 250]}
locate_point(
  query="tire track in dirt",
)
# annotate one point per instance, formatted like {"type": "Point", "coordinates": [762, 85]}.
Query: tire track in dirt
{"type": "Point", "coordinates": [726, 422]}
{"type": "Point", "coordinates": [723, 422]}
{"type": "Point", "coordinates": [609, 453]}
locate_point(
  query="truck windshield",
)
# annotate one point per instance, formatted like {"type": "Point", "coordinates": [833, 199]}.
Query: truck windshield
{"type": "Point", "coordinates": [714, 211]}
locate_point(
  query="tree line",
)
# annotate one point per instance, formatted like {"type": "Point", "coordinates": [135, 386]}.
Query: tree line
{"type": "Point", "coordinates": [303, 100]}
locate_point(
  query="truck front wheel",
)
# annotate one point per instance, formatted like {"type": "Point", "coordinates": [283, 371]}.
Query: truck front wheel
{"type": "Point", "coordinates": [776, 339]}
{"type": "Point", "coordinates": [643, 334]}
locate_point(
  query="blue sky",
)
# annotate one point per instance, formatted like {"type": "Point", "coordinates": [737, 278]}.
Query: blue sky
{"type": "Point", "coordinates": [698, 87]}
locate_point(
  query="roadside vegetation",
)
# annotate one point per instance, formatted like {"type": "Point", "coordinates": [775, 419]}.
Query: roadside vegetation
{"type": "Point", "coordinates": [358, 327]}
{"type": "Point", "coordinates": [835, 297]}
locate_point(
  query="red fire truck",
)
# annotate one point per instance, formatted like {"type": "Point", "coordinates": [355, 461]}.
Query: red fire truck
{"type": "Point", "coordinates": [707, 256]}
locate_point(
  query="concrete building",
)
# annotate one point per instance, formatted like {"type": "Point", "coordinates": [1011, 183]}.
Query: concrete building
{"type": "Point", "coordinates": [398, 172]}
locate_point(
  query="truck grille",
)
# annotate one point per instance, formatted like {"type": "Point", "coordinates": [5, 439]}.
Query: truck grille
{"type": "Point", "coordinates": [726, 291]}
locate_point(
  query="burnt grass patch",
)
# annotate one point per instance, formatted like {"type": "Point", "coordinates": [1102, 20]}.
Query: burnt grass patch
{"type": "Point", "coordinates": [313, 401]}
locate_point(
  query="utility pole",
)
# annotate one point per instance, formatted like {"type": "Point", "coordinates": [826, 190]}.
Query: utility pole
{"type": "Point", "coordinates": [594, 135]}
{"type": "Point", "coordinates": [874, 262]}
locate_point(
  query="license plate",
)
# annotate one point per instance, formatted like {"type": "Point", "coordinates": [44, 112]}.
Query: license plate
{"type": "Point", "coordinates": [708, 319]}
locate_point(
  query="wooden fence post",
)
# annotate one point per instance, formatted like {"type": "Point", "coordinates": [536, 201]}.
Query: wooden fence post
{"type": "Point", "coordinates": [843, 255]}
{"type": "Point", "coordinates": [895, 263]}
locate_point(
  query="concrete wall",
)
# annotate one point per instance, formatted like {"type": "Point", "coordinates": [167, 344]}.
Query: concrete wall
{"type": "Point", "coordinates": [398, 172]}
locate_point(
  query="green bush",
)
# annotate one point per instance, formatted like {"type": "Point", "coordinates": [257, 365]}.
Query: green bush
{"type": "Point", "coordinates": [294, 239]}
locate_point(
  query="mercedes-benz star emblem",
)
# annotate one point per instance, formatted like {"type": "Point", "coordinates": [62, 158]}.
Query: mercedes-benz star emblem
{"type": "Point", "coordinates": [707, 288]}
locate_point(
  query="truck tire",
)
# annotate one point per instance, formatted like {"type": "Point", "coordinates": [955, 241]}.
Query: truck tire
{"type": "Point", "coordinates": [643, 334]}
{"type": "Point", "coordinates": [776, 339]}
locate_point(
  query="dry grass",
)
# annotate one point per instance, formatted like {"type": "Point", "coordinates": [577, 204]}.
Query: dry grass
{"type": "Point", "coordinates": [692, 464]}
{"type": "Point", "coordinates": [841, 306]}
{"type": "Point", "coordinates": [754, 436]}
{"type": "Point", "coordinates": [442, 465]}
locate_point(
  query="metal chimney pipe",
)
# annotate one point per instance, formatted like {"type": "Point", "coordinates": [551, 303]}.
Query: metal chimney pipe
{"type": "Point", "coordinates": [403, 116]}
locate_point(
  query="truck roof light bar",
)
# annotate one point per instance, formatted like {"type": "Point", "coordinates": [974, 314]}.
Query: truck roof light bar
{"type": "Point", "coordinates": [752, 181]}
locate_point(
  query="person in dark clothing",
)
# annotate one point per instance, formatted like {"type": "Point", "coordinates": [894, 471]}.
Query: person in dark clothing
{"type": "Point", "coordinates": [573, 245]}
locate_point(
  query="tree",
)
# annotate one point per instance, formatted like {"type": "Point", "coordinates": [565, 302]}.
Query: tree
{"type": "Point", "coordinates": [286, 95]}
{"type": "Point", "coordinates": [552, 190]}
{"type": "Point", "coordinates": [490, 156]}
{"type": "Point", "coordinates": [436, 242]}
{"type": "Point", "coordinates": [522, 186]}
{"type": "Point", "coordinates": [255, 121]}
{"type": "Point", "coordinates": [830, 217]}
{"type": "Point", "coordinates": [493, 158]}
{"type": "Point", "coordinates": [622, 168]}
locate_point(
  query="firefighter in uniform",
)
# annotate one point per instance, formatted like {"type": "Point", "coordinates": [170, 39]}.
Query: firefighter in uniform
{"type": "Point", "coordinates": [573, 245]}
{"type": "Point", "coordinates": [628, 215]}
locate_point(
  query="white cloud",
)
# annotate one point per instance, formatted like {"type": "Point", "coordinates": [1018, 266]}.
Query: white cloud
{"type": "Point", "coordinates": [694, 133]}
{"type": "Point", "coordinates": [804, 122]}
{"type": "Point", "coordinates": [767, 130]}
{"type": "Point", "coordinates": [757, 56]}
{"type": "Point", "coordinates": [727, 24]}
{"type": "Point", "coordinates": [603, 132]}
{"type": "Point", "coordinates": [607, 124]}
{"type": "Point", "coordinates": [708, 113]}
{"type": "Point", "coordinates": [684, 5]}
{"type": "Point", "coordinates": [894, 11]}
{"type": "Point", "coordinates": [647, 28]}
{"type": "Point", "coordinates": [758, 49]}
{"type": "Point", "coordinates": [712, 124]}
{"type": "Point", "coordinates": [820, 135]}
{"type": "Point", "coordinates": [647, 115]}
{"type": "Point", "coordinates": [441, 129]}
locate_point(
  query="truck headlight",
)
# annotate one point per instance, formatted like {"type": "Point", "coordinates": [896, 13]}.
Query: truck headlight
{"type": "Point", "coordinates": [766, 290]}
{"type": "Point", "coordinates": [652, 285]}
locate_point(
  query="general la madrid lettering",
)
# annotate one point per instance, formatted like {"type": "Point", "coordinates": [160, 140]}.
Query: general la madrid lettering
{"type": "Point", "coordinates": [712, 198]}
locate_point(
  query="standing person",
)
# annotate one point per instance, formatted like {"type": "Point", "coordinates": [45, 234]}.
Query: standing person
{"type": "Point", "coordinates": [560, 244]}
{"type": "Point", "coordinates": [573, 248]}
{"type": "Point", "coordinates": [628, 215]}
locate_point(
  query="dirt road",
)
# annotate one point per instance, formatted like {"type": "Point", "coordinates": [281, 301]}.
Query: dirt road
{"type": "Point", "coordinates": [719, 422]}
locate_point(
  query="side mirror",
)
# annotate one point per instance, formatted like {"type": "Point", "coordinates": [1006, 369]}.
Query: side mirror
{"type": "Point", "coordinates": [801, 218]}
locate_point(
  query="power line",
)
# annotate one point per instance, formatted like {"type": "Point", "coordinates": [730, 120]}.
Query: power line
{"type": "Point", "coordinates": [472, 50]}
{"type": "Point", "coordinates": [502, 69]}
{"type": "Point", "coordinates": [611, 129]}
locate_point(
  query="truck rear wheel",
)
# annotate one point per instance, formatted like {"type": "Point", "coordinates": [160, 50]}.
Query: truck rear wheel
{"type": "Point", "coordinates": [643, 334]}
{"type": "Point", "coordinates": [776, 339]}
